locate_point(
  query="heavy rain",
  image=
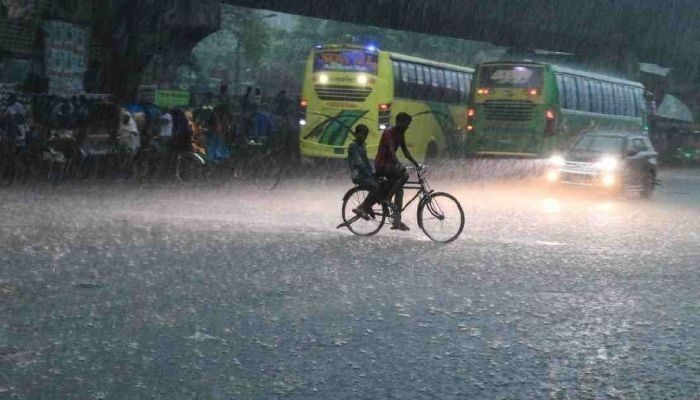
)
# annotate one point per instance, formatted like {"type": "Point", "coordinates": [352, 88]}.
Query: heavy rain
{"type": "Point", "coordinates": [391, 200]}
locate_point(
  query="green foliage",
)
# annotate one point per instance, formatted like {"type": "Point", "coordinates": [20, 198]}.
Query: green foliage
{"type": "Point", "coordinates": [249, 27]}
{"type": "Point", "coordinates": [219, 50]}
{"type": "Point", "coordinates": [276, 57]}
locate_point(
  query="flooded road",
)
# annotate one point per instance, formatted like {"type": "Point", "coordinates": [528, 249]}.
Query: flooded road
{"type": "Point", "coordinates": [235, 292]}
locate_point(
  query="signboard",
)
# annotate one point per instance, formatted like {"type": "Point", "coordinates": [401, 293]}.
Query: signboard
{"type": "Point", "coordinates": [346, 61]}
{"type": "Point", "coordinates": [65, 56]}
{"type": "Point", "coordinates": [172, 98]}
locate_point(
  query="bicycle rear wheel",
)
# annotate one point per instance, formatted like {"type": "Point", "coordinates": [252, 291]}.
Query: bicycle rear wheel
{"type": "Point", "coordinates": [356, 224]}
{"type": "Point", "coordinates": [441, 217]}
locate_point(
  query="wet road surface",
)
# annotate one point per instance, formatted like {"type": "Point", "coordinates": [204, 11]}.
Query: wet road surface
{"type": "Point", "coordinates": [233, 292]}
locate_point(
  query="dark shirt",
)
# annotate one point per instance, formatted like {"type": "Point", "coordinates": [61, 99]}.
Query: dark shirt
{"type": "Point", "coordinates": [360, 168]}
{"type": "Point", "coordinates": [390, 141]}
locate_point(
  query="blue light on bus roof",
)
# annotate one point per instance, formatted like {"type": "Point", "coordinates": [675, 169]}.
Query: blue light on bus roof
{"type": "Point", "coordinates": [371, 47]}
{"type": "Point", "coordinates": [319, 46]}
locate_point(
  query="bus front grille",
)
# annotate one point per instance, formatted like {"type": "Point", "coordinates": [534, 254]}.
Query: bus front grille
{"type": "Point", "coordinates": [508, 110]}
{"type": "Point", "coordinates": [342, 93]}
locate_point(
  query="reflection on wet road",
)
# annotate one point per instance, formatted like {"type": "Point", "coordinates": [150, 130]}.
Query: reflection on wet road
{"type": "Point", "coordinates": [234, 292]}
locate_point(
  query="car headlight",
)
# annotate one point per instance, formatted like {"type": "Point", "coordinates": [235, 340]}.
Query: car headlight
{"type": "Point", "coordinates": [557, 161]}
{"type": "Point", "coordinates": [607, 163]}
{"type": "Point", "coordinates": [362, 79]}
{"type": "Point", "coordinates": [323, 79]}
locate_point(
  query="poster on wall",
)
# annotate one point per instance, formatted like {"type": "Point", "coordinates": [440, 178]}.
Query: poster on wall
{"type": "Point", "coordinates": [65, 56]}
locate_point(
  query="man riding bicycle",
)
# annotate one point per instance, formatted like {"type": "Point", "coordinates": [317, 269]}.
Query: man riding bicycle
{"type": "Point", "coordinates": [387, 164]}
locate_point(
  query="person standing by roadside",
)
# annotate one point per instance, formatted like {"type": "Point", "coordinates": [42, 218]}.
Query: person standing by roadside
{"type": "Point", "coordinates": [82, 118]}
{"type": "Point", "coordinates": [257, 98]}
{"type": "Point", "coordinates": [246, 115]}
{"type": "Point", "coordinates": [17, 115]}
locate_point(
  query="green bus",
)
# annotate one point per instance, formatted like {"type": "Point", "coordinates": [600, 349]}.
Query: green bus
{"type": "Point", "coordinates": [529, 109]}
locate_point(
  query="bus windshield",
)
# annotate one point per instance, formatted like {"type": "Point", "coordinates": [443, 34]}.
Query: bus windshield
{"type": "Point", "coordinates": [599, 144]}
{"type": "Point", "coordinates": [346, 61]}
{"type": "Point", "coordinates": [507, 76]}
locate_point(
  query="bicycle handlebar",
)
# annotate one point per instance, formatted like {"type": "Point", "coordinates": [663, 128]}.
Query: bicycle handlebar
{"type": "Point", "coordinates": [421, 169]}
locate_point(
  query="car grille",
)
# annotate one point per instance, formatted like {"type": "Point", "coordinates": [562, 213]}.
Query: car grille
{"type": "Point", "coordinates": [579, 167]}
{"type": "Point", "coordinates": [509, 110]}
{"type": "Point", "coordinates": [577, 178]}
{"type": "Point", "coordinates": [342, 93]}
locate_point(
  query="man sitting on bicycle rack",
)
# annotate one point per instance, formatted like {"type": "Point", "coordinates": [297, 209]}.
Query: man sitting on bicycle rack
{"type": "Point", "coordinates": [388, 165]}
{"type": "Point", "coordinates": [361, 171]}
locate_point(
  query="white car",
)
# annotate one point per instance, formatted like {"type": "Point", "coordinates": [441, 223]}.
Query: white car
{"type": "Point", "coordinates": [615, 161]}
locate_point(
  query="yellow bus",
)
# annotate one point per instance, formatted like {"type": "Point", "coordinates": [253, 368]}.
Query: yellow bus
{"type": "Point", "coordinates": [346, 85]}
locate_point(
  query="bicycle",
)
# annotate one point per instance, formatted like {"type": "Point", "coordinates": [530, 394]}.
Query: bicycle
{"type": "Point", "coordinates": [440, 216]}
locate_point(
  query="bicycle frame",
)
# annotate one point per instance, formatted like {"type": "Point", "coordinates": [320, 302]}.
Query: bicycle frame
{"type": "Point", "coordinates": [421, 187]}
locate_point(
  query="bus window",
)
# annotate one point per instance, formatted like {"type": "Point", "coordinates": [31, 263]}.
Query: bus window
{"type": "Point", "coordinates": [420, 84]}
{"type": "Point", "coordinates": [608, 99]}
{"type": "Point", "coordinates": [562, 91]}
{"type": "Point", "coordinates": [571, 93]}
{"type": "Point", "coordinates": [626, 101]}
{"type": "Point", "coordinates": [460, 86]}
{"type": "Point", "coordinates": [584, 102]}
{"type": "Point", "coordinates": [398, 84]}
{"type": "Point", "coordinates": [629, 101]}
{"type": "Point", "coordinates": [639, 102]}
{"type": "Point", "coordinates": [434, 89]}
{"type": "Point", "coordinates": [518, 76]}
{"type": "Point", "coordinates": [619, 100]}
{"type": "Point", "coordinates": [427, 85]}
{"type": "Point", "coordinates": [412, 80]}
{"type": "Point", "coordinates": [596, 97]}
{"type": "Point", "coordinates": [404, 79]}
{"type": "Point", "coordinates": [449, 86]}
{"type": "Point", "coordinates": [467, 84]}
{"type": "Point", "coordinates": [442, 86]}
{"type": "Point", "coordinates": [631, 104]}
{"type": "Point", "coordinates": [457, 87]}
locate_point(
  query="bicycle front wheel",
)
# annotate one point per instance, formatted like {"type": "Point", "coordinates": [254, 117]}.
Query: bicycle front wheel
{"type": "Point", "coordinates": [441, 217]}
{"type": "Point", "coordinates": [357, 225]}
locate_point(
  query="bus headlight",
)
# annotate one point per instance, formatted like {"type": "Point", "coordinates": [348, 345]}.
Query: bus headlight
{"type": "Point", "coordinates": [323, 79]}
{"type": "Point", "coordinates": [557, 161]}
{"type": "Point", "coordinates": [382, 127]}
{"type": "Point", "coordinates": [302, 122]}
{"type": "Point", "coordinates": [607, 163]}
{"type": "Point", "coordinates": [362, 79]}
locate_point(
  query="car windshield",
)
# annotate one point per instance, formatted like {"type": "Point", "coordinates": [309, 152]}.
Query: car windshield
{"type": "Point", "coordinates": [599, 144]}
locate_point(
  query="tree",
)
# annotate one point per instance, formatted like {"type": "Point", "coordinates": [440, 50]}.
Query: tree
{"type": "Point", "coordinates": [242, 41]}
